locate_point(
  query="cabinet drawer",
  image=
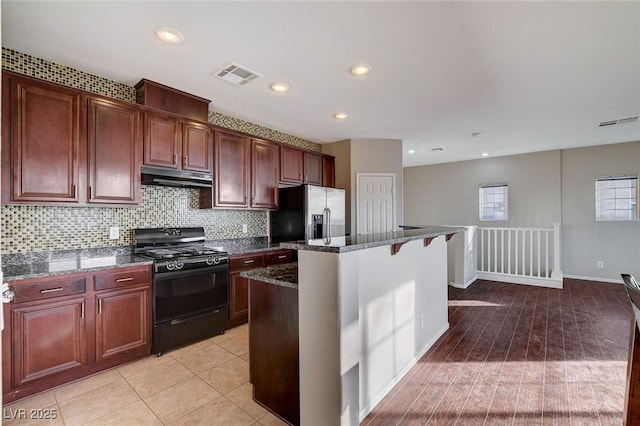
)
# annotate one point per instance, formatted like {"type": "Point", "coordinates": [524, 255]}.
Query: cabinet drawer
{"type": "Point", "coordinates": [246, 262]}
{"type": "Point", "coordinates": [47, 289]}
{"type": "Point", "coordinates": [281, 256]}
{"type": "Point", "coordinates": [122, 279]}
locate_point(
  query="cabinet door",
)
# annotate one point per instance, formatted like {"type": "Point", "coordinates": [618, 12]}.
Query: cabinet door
{"type": "Point", "coordinates": [291, 167]}
{"type": "Point", "coordinates": [48, 339]}
{"type": "Point", "coordinates": [238, 299]}
{"type": "Point", "coordinates": [231, 170]}
{"type": "Point", "coordinates": [312, 168]}
{"type": "Point", "coordinates": [122, 322]}
{"type": "Point", "coordinates": [161, 141]}
{"type": "Point", "coordinates": [265, 172]}
{"type": "Point", "coordinates": [328, 171]}
{"type": "Point", "coordinates": [45, 142]}
{"type": "Point", "coordinates": [196, 147]}
{"type": "Point", "coordinates": [114, 162]}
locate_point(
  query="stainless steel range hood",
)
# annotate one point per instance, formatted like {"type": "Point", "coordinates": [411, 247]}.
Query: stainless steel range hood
{"type": "Point", "coordinates": [182, 178]}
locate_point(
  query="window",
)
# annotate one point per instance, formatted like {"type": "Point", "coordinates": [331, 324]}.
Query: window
{"type": "Point", "coordinates": [617, 198]}
{"type": "Point", "coordinates": [494, 202]}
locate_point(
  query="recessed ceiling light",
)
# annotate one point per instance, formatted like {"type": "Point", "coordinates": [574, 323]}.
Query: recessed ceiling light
{"type": "Point", "coordinates": [169, 35]}
{"type": "Point", "coordinates": [485, 154]}
{"type": "Point", "coordinates": [360, 69]}
{"type": "Point", "coordinates": [341, 116]}
{"type": "Point", "coordinates": [280, 87]}
{"type": "Point", "coordinates": [411, 151]}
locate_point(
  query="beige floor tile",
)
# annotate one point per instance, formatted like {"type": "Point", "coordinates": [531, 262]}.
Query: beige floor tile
{"type": "Point", "coordinates": [237, 345]}
{"type": "Point", "coordinates": [135, 414]}
{"type": "Point", "coordinates": [243, 398]}
{"type": "Point", "coordinates": [271, 420]}
{"type": "Point", "coordinates": [142, 365]}
{"type": "Point", "coordinates": [73, 389]}
{"type": "Point", "coordinates": [204, 358]}
{"type": "Point", "coordinates": [228, 376]}
{"type": "Point", "coordinates": [244, 356]}
{"type": "Point", "coordinates": [190, 348]}
{"type": "Point", "coordinates": [181, 399]}
{"type": "Point", "coordinates": [156, 376]}
{"type": "Point", "coordinates": [35, 402]}
{"type": "Point", "coordinates": [15, 415]}
{"type": "Point", "coordinates": [220, 412]}
{"type": "Point", "coordinates": [97, 402]}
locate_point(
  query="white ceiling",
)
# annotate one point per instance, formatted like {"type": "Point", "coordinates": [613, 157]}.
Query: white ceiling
{"type": "Point", "coordinates": [528, 76]}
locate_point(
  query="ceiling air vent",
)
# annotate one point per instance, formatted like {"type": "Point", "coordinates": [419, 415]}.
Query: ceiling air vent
{"type": "Point", "coordinates": [237, 74]}
{"type": "Point", "coordinates": [620, 121]}
{"type": "Point", "coordinates": [437, 149]}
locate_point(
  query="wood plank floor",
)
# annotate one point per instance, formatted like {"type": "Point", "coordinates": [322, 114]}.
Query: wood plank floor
{"type": "Point", "coordinates": [521, 355]}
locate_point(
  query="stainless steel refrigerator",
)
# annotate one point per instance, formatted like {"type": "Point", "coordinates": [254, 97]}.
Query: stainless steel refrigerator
{"type": "Point", "coordinates": [308, 212]}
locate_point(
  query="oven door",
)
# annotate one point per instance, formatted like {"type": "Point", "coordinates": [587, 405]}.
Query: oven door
{"type": "Point", "coordinates": [184, 294]}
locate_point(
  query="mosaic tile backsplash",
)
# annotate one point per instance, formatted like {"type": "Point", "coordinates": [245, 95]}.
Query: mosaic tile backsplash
{"type": "Point", "coordinates": [40, 228]}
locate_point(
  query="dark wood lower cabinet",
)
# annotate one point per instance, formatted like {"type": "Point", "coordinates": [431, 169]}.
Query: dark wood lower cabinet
{"type": "Point", "coordinates": [63, 328]}
{"type": "Point", "coordinates": [273, 348]}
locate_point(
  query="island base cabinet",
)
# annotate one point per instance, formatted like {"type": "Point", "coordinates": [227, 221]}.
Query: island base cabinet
{"type": "Point", "coordinates": [273, 349]}
{"type": "Point", "coordinates": [63, 349]}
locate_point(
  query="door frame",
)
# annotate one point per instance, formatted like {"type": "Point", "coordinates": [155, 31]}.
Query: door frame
{"type": "Point", "coordinates": [359, 176]}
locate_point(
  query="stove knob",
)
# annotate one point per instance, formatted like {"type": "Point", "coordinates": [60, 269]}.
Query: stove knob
{"type": "Point", "coordinates": [179, 265]}
{"type": "Point", "coordinates": [217, 259]}
{"type": "Point", "coordinates": [171, 265]}
{"type": "Point", "coordinates": [210, 260]}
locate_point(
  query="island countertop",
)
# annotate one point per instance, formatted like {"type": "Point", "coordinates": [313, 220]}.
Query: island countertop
{"type": "Point", "coordinates": [285, 275]}
{"type": "Point", "coordinates": [365, 241]}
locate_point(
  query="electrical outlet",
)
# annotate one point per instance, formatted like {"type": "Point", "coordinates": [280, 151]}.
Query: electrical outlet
{"type": "Point", "coordinates": [599, 264]}
{"type": "Point", "coordinates": [114, 233]}
{"type": "Point", "coordinates": [244, 228]}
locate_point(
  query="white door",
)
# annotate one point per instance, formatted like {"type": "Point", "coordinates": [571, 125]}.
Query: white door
{"type": "Point", "coordinates": [375, 203]}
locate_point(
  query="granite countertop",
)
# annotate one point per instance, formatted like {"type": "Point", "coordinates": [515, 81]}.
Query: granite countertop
{"type": "Point", "coordinates": [365, 241]}
{"type": "Point", "coordinates": [243, 245]}
{"type": "Point", "coordinates": [285, 275]}
{"type": "Point", "coordinates": [21, 266]}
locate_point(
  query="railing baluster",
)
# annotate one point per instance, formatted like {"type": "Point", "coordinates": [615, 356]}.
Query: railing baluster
{"type": "Point", "coordinates": [538, 253]}
{"type": "Point", "coordinates": [517, 251]}
{"type": "Point", "coordinates": [530, 253]}
{"type": "Point", "coordinates": [509, 250]}
{"type": "Point", "coordinates": [495, 250]}
{"type": "Point", "coordinates": [546, 250]}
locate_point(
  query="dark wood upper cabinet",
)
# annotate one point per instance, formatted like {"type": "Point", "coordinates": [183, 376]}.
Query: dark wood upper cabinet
{"type": "Point", "coordinates": [161, 141]}
{"type": "Point", "coordinates": [291, 164]}
{"type": "Point", "coordinates": [312, 168]}
{"type": "Point", "coordinates": [114, 145]}
{"type": "Point", "coordinates": [42, 135]}
{"type": "Point", "coordinates": [196, 147]}
{"type": "Point", "coordinates": [265, 172]}
{"type": "Point", "coordinates": [329, 171]}
{"type": "Point", "coordinates": [231, 181]}
{"type": "Point", "coordinates": [299, 166]}
{"type": "Point", "coordinates": [171, 143]}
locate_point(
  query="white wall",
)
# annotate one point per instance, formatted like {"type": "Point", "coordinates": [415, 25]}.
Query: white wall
{"type": "Point", "coordinates": [544, 188]}
{"type": "Point", "coordinates": [584, 240]}
{"type": "Point", "coordinates": [366, 156]}
{"type": "Point", "coordinates": [447, 194]}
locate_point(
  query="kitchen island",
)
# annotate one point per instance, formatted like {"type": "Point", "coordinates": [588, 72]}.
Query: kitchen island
{"type": "Point", "coordinates": [369, 307]}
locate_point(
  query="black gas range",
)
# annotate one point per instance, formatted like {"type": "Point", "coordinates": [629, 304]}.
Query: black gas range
{"type": "Point", "coordinates": [190, 285]}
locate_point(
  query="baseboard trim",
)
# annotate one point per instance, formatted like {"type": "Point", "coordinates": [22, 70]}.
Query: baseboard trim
{"type": "Point", "coordinates": [466, 284]}
{"type": "Point", "coordinates": [602, 280]}
{"type": "Point", "coordinates": [369, 408]}
{"type": "Point", "coordinates": [517, 279]}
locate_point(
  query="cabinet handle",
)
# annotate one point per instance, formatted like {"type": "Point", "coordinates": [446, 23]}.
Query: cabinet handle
{"type": "Point", "coordinates": [121, 280]}
{"type": "Point", "coordinates": [175, 159]}
{"type": "Point", "coordinates": [89, 190]}
{"type": "Point", "coordinates": [248, 262]}
{"type": "Point", "coordinates": [73, 190]}
{"type": "Point", "coordinates": [282, 256]}
{"type": "Point", "coordinates": [186, 158]}
{"type": "Point", "coordinates": [52, 290]}
{"type": "Point", "coordinates": [82, 310]}
{"type": "Point", "coordinates": [99, 306]}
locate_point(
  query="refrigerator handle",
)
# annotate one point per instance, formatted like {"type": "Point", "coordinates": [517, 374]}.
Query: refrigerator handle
{"type": "Point", "coordinates": [325, 222]}
{"type": "Point", "coordinates": [328, 222]}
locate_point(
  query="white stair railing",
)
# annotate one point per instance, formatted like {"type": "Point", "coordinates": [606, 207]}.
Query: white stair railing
{"type": "Point", "coordinates": [520, 255]}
